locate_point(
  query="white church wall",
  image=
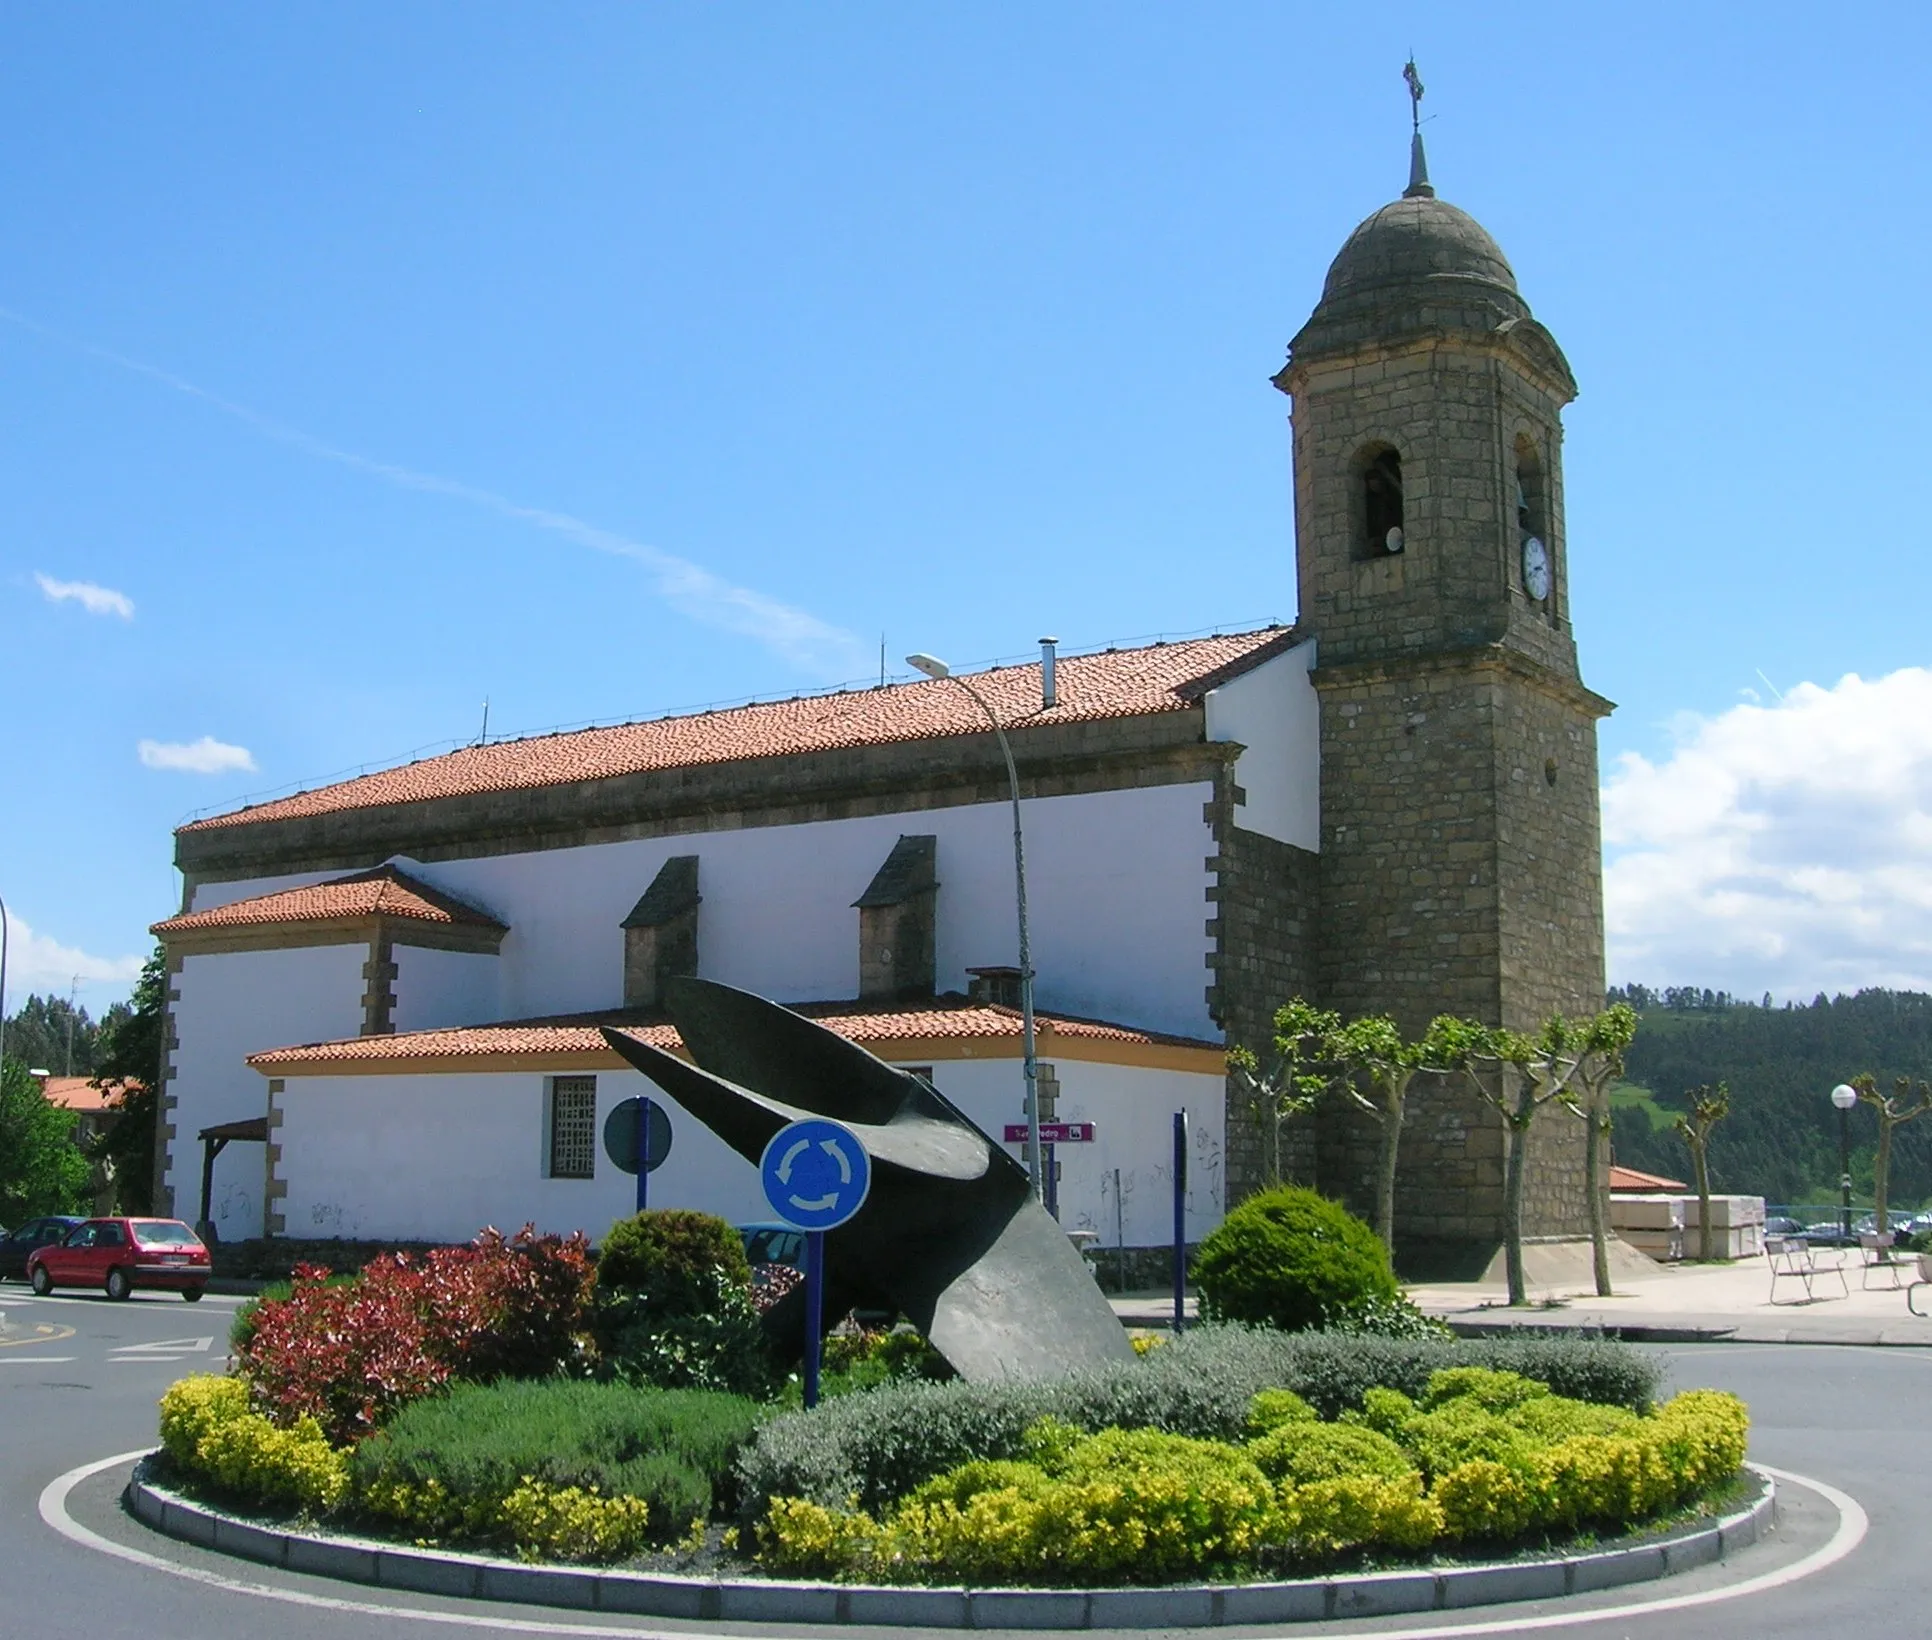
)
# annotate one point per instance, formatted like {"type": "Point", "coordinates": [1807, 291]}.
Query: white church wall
{"type": "Point", "coordinates": [232, 1005]}
{"type": "Point", "coordinates": [1116, 884]}
{"type": "Point", "coordinates": [1132, 1109]}
{"type": "Point", "coordinates": [1274, 713]}
{"type": "Point", "coordinates": [438, 1157]}
{"type": "Point", "coordinates": [438, 988]}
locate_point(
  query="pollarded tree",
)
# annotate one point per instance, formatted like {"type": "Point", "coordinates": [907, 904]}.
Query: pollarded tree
{"type": "Point", "coordinates": [1894, 1110]}
{"type": "Point", "coordinates": [1518, 1075]}
{"type": "Point", "coordinates": [1372, 1050]}
{"type": "Point", "coordinates": [1290, 1084]}
{"type": "Point", "coordinates": [1604, 1042]}
{"type": "Point", "coordinates": [1708, 1106]}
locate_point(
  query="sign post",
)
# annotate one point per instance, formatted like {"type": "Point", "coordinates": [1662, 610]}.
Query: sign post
{"type": "Point", "coordinates": [1180, 1214]}
{"type": "Point", "coordinates": [816, 1175]}
{"type": "Point", "coordinates": [637, 1138]}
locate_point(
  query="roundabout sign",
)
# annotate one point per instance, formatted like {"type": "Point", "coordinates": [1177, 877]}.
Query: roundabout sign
{"type": "Point", "coordinates": [816, 1175]}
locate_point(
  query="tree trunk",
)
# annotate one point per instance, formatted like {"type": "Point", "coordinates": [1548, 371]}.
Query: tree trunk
{"type": "Point", "coordinates": [1385, 1174]}
{"type": "Point", "coordinates": [1273, 1119]}
{"type": "Point", "coordinates": [1881, 1171]}
{"type": "Point", "coordinates": [1594, 1135]}
{"type": "Point", "coordinates": [1515, 1169]}
{"type": "Point", "coordinates": [1702, 1173]}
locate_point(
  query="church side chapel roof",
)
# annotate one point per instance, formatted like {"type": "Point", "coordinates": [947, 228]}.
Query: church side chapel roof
{"type": "Point", "coordinates": [383, 892]}
{"type": "Point", "coordinates": [949, 1018]}
{"type": "Point", "coordinates": [1161, 677]}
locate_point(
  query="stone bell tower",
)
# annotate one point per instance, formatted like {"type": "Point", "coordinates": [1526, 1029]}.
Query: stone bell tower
{"type": "Point", "coordinates": [1460, 857]}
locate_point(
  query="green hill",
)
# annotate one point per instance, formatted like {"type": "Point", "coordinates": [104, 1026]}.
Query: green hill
{"type": "Point", "coordinates": [1781, 1138]}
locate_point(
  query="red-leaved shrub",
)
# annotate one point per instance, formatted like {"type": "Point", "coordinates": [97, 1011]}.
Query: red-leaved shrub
{"type": "Point", "coordinates": [349, 1356]}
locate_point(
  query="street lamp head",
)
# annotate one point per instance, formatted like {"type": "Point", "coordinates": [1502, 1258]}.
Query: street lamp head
{"type": "Point", "coordinates": [1844, 1096]}
{"type": "Point", "coordinates": [931, 665]}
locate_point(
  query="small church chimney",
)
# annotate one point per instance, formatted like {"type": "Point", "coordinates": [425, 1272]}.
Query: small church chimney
{"type": "Point", "coordinates": [897, 924]}
{"type": "Point", "coordinates": [1049, 691]}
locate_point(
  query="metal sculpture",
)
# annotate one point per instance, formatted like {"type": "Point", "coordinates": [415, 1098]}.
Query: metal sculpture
{"type": "Point", "coordinates": [951, 1235]}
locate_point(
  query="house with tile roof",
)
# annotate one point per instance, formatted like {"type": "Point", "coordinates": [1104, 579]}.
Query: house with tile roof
{"type": "Point", "coordinates": [1389, 807]}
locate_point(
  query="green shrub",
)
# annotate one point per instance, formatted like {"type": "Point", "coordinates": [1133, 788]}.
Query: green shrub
{"type": "Point", "coordinates": [1302, 1454]}
{"type": "Point", "coordinates": [663, 1252]}
{"type": "Point", "coordinates": [444, 1466]}
{"type": "Point", "coordinates": [1485, 1499]}
{"type": "Point", "coordinates": [879, 1446]}
{"type": "Point", "coordinates": [712, 1338]}
{"type": "Point", "coordinates": [1292, 1259]}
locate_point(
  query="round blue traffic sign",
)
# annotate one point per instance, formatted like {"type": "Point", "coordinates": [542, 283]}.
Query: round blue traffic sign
{"type": "Point", "coordinates": [816, 1174]}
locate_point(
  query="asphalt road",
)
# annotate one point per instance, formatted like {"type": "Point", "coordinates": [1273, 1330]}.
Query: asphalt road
{"type": "Point", "coordinates": [79, 1378]}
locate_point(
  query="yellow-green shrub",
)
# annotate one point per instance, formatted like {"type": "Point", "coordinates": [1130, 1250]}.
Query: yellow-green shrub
{"type": "Point", "coordinates": [799, 1536]}
{"type": "Point", "coordinates": [1492, 1391]}
{"type": "Point", "coordinates": [207, 1428]}
{"type": "Point", "coordinates": [1124, 1505]}
{"type": "Point", "coordinates": [1701, 1435]}
{"type": "Point", "coordinates": [1552, 1418]}
{"type": "Point", "coordinates": [572, 1523]}
{"type": "Point", "coordinates": [1600, 1478]}
{"type": "Point", "coordinates": [1386, 1411]}
{"type": "Point", "coordinates": [1354, 1511]}
{"type": "Point", "coordinates": [1272, 1408]}
{"type": "Point", "coordinates": [1459, 1432]}
{"type": "Point", "coordinates": [1486, 1499]}
{"type": "Point", "coordinates": [1302, 1454]}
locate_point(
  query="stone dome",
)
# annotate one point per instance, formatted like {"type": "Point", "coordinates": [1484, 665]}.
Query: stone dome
{"type": "Point", "coordinates": [1416, 240]}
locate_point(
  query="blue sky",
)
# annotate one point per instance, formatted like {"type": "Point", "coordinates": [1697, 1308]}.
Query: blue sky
{"type": "Point", "coordinates": [604, 360]}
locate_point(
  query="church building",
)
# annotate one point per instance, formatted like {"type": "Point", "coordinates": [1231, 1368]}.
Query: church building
{"type": "Point", "coordinates": [394, 984]}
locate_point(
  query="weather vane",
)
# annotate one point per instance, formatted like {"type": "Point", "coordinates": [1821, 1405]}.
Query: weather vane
{"type": "Point", "coordinates": [1413, 81]}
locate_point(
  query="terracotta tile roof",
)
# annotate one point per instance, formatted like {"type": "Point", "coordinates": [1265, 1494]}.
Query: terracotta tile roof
{"type": "Point", "coordinates": [383, 892]}
{"type": "Point", "coordinates": [1164, 677]}
{"type": "Point", "coordinates": [1629, 1181]}
{"type": "Point", "coordinates": [78, 1093]}
{"type": "Point", "coordinates": [947, 1018]}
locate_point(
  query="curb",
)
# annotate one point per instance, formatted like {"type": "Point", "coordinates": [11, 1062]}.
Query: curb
{"type": "Point", "coordinates": [1638, 1332]}
{"type": "Point", "coordinates": [646, 1594]}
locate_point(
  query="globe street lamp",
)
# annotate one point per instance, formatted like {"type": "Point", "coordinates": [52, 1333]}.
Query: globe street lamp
{"type": "Point", "coordinates": [1844, 1097]}
{"type": "Point", "coordinates": [939, 671]}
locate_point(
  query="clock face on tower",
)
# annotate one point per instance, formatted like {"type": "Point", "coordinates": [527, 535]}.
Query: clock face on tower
{"type": "Point", "coordinates": [1536, 568]}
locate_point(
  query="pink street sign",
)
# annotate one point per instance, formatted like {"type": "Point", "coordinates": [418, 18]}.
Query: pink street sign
{"type": "Point", "coordinates": [1052, 1133]}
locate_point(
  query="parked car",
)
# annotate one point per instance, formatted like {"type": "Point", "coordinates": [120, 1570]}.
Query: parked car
{"type": "Point", "coordinates": [119, 1255]}
{"type": "Point", "coordinates": [773, 1244]}
{"type": "Point", "coordinates": [34, 1233]}
{"type": "Point", "coordinates": [1780, 1224]}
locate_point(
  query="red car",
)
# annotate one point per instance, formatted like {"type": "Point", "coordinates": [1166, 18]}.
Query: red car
{"type": "Point", "coordinates": [118, 1255]}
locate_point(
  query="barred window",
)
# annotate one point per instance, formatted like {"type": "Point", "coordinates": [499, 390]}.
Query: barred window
{"type": "Point", "coordinates": [573, 1127]}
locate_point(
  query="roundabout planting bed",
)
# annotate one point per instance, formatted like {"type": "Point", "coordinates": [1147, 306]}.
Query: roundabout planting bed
{"type": "Point", "coordinates": [495, 1405]}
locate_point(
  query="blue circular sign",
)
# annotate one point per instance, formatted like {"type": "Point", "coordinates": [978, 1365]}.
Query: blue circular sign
{"type": "Point", "coordinates": [816, 1174]}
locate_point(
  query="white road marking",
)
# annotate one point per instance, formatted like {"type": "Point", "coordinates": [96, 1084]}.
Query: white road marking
{"type": "Point", "coordinates": [1852, 1526]}
{"type": "Point", "coordinates": [35, 1360]}
{"type": "Point", "coordinates": [163, 1349]}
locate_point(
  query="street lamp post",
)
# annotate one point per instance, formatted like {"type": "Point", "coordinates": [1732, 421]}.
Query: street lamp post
{"type": "Point", "coordinates": [3, 987]}
{"type": "Point", "coordinates": [1844, 1097]}
{"type": "Point", "coordinates": [937, 669]}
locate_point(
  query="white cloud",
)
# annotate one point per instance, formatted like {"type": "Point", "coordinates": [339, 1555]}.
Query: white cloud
{"type": "Point", "coordinates": [38, 963]}
{"type": "Point", "coordinates": [204, 756]}
{"type": "Point", "coordinates": [95, 600]}
{"type": "Point", "coordinates": [1782, 848]}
